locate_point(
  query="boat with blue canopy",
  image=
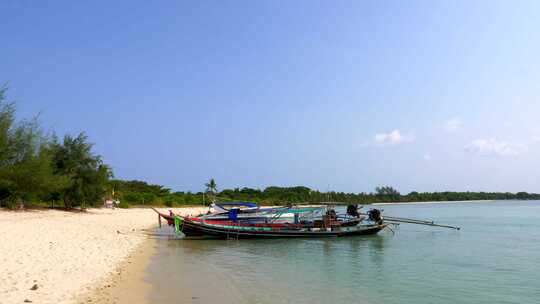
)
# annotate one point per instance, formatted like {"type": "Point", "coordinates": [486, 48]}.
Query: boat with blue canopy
{"type": "Point", "coordinates": [306, 221]}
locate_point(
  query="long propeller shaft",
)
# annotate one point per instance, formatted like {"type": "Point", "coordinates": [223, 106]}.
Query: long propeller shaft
{"type": "Point", "coordinates": [417, 222]}
{"type": "Point", "coordinates": [392, 219]}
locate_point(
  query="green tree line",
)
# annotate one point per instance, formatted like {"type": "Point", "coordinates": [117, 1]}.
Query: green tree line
{"type": "Point", "coordinates": [141, 193]}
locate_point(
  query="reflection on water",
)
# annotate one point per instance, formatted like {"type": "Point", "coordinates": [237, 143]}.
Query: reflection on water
{"type": "Point", "coordinates": [492, 260]}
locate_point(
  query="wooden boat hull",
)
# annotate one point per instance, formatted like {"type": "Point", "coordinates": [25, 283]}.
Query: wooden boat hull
{"type": "Point", "coordinates": [195, 228]}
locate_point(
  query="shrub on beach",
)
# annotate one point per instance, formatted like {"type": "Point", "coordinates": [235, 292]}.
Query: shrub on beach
{"type": "Point", "coordinates": [123, 205]}
{"type": "Point", "coordinates": [131, 197]}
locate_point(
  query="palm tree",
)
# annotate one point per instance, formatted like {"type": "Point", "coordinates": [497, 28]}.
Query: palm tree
{"type": "Point", "coordinates": [211, 189]}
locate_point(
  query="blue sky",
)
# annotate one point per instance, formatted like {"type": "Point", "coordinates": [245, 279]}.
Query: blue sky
{"type": "Point", "coordinates": [341, 95]}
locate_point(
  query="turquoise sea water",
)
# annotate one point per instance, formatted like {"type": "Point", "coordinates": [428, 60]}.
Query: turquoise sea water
{"type": "Point", "coordinates": [495, 258]}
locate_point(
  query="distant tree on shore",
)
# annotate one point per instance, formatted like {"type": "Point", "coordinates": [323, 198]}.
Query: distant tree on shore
{"type": "Point", "coordinates": [211, 190]}
{"type": "Point", "coordinates": [387, 194]}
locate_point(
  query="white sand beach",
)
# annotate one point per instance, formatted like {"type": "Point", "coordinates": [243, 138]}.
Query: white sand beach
{"type": "Point", "coordinates": [50, 256]}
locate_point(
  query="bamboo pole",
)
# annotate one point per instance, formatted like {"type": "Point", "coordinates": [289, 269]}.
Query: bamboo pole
{"type": "Point", "coordinates": [420, 223]}
{"type": "Point", "coordinates": [407, 219]}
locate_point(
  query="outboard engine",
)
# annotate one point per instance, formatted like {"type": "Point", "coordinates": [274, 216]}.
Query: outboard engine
{"type": "Point", "coordinates": [375, 215]}
{"type": "Point", "coordinates": [352, 210]}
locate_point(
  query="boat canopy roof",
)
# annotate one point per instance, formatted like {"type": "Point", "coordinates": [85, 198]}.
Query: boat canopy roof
{"type": "Point", "coordinates": [237, 204]}
{"type": "Point", "coordinates": [301, 210]}
{"type": "Point", "coordinates": [294, 210]}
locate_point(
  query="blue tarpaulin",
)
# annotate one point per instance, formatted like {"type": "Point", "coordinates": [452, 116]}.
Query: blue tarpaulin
{"type": "Point", "coordinates": [233, 215]}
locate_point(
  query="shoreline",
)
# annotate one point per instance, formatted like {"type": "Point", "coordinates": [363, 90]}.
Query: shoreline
{"type": "Point", "coordinates": [436, 202]}
{"type": "Point", "coordinates": [311, 204]}
{"type": "Point", "coordinates": [51, 256]}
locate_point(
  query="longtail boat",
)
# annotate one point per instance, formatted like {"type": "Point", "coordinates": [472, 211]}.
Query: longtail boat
{"type": "Point", "coordinates": [268, 223]}
{"type": "Point", "coordinates": [305, 222]}
{"type": "Point", "coordinates": [194, 227]}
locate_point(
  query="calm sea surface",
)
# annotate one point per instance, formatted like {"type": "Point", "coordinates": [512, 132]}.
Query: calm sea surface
{"type": "Point", "coordinates": [495, 258]}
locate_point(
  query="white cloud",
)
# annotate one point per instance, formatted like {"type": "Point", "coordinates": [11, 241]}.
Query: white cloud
{"type": "Point", "coordinates": [453, 125]}
{"type": "Point", "coordinates": [535, 135]}
{"type": "Point", "coordinates": [393, 138]}
{"type": "Point", "coordinates": [427, 157]}
{"type": "Point", "coordinates": [490, 147]}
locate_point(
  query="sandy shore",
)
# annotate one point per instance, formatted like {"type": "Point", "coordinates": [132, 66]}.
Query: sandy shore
{"type": "Point", "coordinates": [66, 255]}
